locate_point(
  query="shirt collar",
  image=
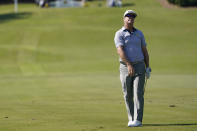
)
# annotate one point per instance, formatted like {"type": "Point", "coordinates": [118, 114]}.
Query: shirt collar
{"type": "Point", "coordinates": [124, 29]}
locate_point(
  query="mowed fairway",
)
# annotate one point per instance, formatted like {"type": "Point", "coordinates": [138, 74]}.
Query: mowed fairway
{"type": "Point", "coordinates": [59, 68]}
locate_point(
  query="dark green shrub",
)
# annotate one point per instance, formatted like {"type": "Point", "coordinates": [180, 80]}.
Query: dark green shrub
{"type": "Point", "coordinates": [184, 2]}
{"type": "Point", "coordinates": [171, 1]}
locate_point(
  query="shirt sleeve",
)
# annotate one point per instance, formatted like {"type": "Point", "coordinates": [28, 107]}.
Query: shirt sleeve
{"type": "Point", "coordinates": [143, 40]}
{"type": "Point", "coordinates": [118, 40]}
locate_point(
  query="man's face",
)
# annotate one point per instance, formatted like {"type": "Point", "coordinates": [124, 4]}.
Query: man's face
{"type": "Point", "coordinates": [129, 19]}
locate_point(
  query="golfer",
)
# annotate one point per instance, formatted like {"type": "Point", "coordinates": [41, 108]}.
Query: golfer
{"type": "Point", "coordinates": [134, 67]}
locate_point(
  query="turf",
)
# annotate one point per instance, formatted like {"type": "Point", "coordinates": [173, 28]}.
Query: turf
{"type": "Point", "coordinates": [59, 68]}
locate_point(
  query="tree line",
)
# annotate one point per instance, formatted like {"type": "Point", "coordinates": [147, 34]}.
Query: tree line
{"type": "Point", "coordinates": [184, 2]}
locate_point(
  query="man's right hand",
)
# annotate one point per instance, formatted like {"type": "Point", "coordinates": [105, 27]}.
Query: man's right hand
{"type": "Point", "coordinates": [122, 55]}
{"type": "Point", "coordinates": [131, 71]}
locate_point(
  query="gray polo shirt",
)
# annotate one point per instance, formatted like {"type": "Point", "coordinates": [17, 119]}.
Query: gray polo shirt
{"type": "Point", "coordinates": [132, 43]}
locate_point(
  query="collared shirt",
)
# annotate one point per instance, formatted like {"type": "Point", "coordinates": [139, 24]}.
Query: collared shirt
{"type": "Point", "coordinates": [132, 43]}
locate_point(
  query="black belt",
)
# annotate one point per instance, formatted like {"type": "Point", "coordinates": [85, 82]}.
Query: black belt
{"type": "Point", "coordinates": [132, 63]}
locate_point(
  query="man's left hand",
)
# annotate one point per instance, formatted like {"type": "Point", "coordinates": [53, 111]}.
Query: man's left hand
{"type": "Point", "coordinates": [148, 72]}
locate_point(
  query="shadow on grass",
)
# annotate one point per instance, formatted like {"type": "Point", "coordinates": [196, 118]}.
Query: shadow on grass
{"type": "Point", "coordinates": [13, 16]}
{"type": "Point", "coordinates": [128, 4]}
{"type": "Point", "coordinates": [181, 124]}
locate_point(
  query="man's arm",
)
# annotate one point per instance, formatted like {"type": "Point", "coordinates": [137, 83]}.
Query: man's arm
{"type": "Point", "coordinates": [122, 55]}
{"type": "Point", "coordinates": [146, 56]}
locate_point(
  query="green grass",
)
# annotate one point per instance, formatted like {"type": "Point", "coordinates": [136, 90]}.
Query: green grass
{"type": "Point", "coordinates": [59, 68]}
{"type": "Point", "coordinates": [83, 102]}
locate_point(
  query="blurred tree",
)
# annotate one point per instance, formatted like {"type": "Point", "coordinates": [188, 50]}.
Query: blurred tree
{"type": "Point", "coordinates": [184, 2]}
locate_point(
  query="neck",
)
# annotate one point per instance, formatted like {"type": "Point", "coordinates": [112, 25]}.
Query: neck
{"type": "Point", "coordinates": [128, 27]}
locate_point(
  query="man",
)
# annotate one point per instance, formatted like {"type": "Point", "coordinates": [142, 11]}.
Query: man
{"type": "Point", "coordinates": [134, 66]}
